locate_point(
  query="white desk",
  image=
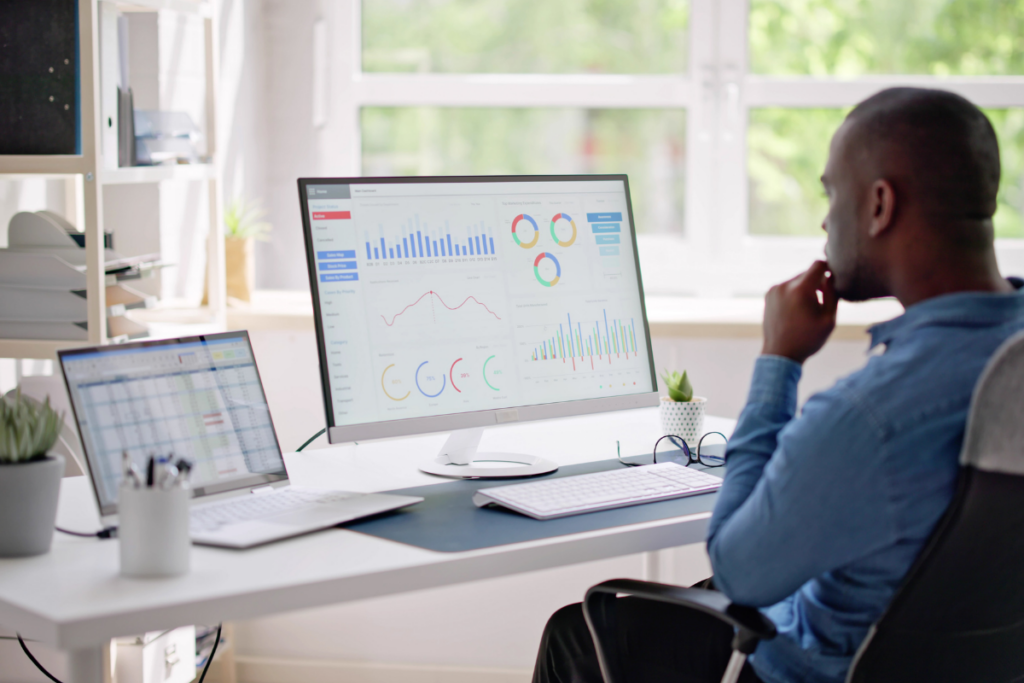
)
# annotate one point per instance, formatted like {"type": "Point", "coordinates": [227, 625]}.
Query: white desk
{"type": "Point", "coordinates": [74, 598]}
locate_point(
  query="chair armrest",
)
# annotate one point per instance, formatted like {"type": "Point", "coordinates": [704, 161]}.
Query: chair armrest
{"type": "Point", "coordinates": [744, 619]}
{"type": "Point", "coordinates": [599, 609]}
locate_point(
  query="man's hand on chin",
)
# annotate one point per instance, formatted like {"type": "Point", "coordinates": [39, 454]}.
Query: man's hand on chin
{"type": "Point", "coordinates": [796, 323]}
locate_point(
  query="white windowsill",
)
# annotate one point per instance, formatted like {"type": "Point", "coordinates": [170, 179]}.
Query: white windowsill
{"type": "Point", "coordinates": [668, 316]}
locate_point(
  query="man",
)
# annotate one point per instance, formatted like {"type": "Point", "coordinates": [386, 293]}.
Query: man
{"type": "Point", "coordinates": [821, 515]}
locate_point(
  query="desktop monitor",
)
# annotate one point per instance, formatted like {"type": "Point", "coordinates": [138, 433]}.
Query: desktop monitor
{"type": "Point", "coordinates": [455, 303]}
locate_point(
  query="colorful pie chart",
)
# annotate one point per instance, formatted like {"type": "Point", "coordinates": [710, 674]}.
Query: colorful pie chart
{"type": "Point", "coordinates": [536, 269]}
{"type": "Point", "coordinates": [536, 231]}
{"type": "Point", "coordinates": [554, 235]}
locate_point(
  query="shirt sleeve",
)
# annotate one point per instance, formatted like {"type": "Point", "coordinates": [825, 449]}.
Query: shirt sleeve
{"type": "Point", "coordinates": [802, 495]}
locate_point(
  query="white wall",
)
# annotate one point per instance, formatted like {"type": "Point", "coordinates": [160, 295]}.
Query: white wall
{"type": "Point", "coordinates": [242, 100]}
{"type": "Point", "coordinates": [293, 146]}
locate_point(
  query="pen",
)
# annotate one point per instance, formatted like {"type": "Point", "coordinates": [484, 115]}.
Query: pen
{"type": "Point", "coordinates": [129, 471]}
{"type": "Point", "coordinates": [169, 476]}
{"type": "Point", "coordinates": [184, 468]}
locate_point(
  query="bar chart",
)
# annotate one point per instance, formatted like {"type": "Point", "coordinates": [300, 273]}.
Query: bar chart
{"type": "Point", "coordinates": [586, 341]}
{"type": "Point", "coordinates": [414, 241]}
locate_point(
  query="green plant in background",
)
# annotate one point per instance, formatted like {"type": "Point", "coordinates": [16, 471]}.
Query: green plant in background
{"type": "Point", "coordinates": [28, 429]}
{"type": "Point", "coordinates": [532, 36]}
{"type": "Point", "coordinates": [679, 388]}
{"type": "Point", "coordinates": [243, 221]}
{"type": "Point", "coordinates": [788, 147]}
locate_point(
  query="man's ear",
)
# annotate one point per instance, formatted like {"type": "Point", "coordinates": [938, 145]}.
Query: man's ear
{"type": "Point", "coordinates": [882, 202]}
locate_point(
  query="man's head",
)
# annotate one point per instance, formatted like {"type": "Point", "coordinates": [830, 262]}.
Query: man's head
{"type": "Point", "coordinates": [911, 173]}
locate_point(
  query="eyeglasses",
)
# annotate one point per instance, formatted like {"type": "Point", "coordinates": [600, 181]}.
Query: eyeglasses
{"type": "Point", "coordinates": [710, 454]}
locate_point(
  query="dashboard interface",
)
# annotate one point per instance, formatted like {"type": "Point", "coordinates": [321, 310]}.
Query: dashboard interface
{"type": "Point", "coordinates": [437, 298]}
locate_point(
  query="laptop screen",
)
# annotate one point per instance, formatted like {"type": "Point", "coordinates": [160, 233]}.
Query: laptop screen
{"type": "Point", "coordinates": [198, 398]}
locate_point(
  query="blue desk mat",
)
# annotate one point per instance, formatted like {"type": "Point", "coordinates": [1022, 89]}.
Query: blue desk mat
{"type": "Point", "coordinates": [448, 521]}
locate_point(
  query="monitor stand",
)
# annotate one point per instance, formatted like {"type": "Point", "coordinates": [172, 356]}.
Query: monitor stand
{"type": "Point", "coordinates": [459, 459]}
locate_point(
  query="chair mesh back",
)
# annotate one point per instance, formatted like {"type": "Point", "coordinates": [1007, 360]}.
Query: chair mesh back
{"type": "Point", "coordinates": [959, 615]}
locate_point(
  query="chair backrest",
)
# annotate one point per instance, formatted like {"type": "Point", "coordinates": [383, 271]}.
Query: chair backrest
{"type": "Point", "coordinates": [959, 615]}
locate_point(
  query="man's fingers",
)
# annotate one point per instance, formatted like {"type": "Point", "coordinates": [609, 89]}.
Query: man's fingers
{"type": "Point", "coordinates": [810, 280]}
{"type": "Point", "coordinates": [813, 276]}
{"type": "Point", "coordinates": [829, 299]}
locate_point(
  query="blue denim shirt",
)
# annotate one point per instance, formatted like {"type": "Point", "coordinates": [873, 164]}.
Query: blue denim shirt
{"type": "Point", "coordinates": [821, 516]}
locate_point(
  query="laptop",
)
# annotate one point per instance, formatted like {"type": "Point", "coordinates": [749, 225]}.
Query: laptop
{"type": "Point", "coordinates": [199, 398]}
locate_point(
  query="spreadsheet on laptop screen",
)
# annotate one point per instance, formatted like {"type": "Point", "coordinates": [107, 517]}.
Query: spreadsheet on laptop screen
{"type": "Point", "coordinates": [438, 298]}
{"type": "Point", "coordinates": [199, 399]}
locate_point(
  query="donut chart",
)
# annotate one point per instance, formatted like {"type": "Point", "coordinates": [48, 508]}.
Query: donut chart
{"type": "Point", "coordinates": [443, 382]}
{"type": "Point", "coordinates": [554, 236]}
{"type": "Point", "coordinates": [451, 376]}
{"type": "Point", "coordinates": [384, 388]}
{"type": "Point", "coordinates": [536, 231]}
{"type": "Point", "coordinates": [536, 269]}
{"type": "Point", "coordinates": [487, 381]}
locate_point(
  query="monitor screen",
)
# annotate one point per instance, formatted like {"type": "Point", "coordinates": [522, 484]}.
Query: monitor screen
{"type": "Point", "coordinates": [446, 296]}
{"type": "Point", "coordinates": [198, 398]}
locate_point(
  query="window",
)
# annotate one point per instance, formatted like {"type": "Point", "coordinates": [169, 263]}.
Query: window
{"type": "Point", "coordinates": [720, 111]}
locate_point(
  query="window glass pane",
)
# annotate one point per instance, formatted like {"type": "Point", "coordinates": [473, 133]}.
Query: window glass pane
{"type": "Point", "coordinates": [855, 37]}
{"type": "Point", "coordinates": [648, 145]}
{"type": "Point", "coordinates": [787, 150]}
{"type": "Point", "coordinates": [525, 36]}
{"type": "Point", "coordinates": [786, 153]}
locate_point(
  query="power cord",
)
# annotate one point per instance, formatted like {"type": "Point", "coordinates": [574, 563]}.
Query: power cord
{"type": "Point", "coordinates": [53, 678]}
{"type": "Point", "coordinates": [109, 532]}
{"type": "Point", "coordinates": [209, 661]}
{"type": "Point", "coordinates": [311, 439]}
{"type": "Point", "coordinates": [36, 661]}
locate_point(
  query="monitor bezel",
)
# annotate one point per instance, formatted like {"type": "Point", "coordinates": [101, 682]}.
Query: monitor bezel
{"type": "Point", "coordinates": [474, 419]}
{"type": "Point", "coordinates": [198, 491]}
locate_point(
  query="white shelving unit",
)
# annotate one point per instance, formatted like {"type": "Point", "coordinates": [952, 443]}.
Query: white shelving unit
{"type": "Point", "coordinates": [90, 166]}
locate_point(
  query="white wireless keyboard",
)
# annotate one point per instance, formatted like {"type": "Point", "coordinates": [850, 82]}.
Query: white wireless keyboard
{"type": "Point", "coordinates": [566, 496]}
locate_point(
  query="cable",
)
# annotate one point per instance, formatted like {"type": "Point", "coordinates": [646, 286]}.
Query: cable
{"type": "Point", "coordinates": [311, 439]}
{"type": "Point", "coordinates": [109, 532]}
{"type": "Point", "coordinates": [36, 661]}
{"type": "Point", "coordinates": [53, 678]}
{"type": "Point", "coordinates": [215, 642]}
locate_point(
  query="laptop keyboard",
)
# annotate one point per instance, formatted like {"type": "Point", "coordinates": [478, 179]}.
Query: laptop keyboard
{"type": "Point", "coordinates": [212, 516]}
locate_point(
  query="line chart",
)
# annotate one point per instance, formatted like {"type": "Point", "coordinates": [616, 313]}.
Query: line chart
{"type": "Point", "coordinates": [432, 294]}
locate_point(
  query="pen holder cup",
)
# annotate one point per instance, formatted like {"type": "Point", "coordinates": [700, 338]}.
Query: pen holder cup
{"type": "Point", "coordinates": [153, 531]}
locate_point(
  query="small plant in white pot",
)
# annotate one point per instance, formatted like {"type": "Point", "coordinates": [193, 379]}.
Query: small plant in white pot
{"type": "Point", "coordinates": [682, 413]}
{"type": "Point", "coordinates": [29, 476]}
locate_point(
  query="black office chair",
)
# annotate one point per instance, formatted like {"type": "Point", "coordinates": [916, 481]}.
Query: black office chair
{"type": "Point", "coordinates": [959, 615]}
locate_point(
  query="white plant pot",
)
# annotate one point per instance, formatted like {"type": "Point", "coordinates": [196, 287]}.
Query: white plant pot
{"type": "Point", "coordinates": [683, 419]}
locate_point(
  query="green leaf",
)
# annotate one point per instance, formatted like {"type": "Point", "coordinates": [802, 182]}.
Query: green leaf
{"type": "Point", "coordinates": [27, 429]}
{"type": "Point", "coordinates": [679, 388]}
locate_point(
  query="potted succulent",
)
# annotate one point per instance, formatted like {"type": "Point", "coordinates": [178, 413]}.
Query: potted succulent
{"type": "Point", "coordinates": [29, 476]}
{"type": "Point", "coordinates": [244, 226]}
{"type": "Point", "coordinates": [682, 413]}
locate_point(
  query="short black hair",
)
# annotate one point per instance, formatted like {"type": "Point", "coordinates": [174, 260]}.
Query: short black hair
{"type": "Point", "coordinates": [949, 143]}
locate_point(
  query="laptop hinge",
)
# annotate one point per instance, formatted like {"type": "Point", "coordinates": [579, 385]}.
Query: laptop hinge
{"type": "Point", "coordinates": [261, 490]}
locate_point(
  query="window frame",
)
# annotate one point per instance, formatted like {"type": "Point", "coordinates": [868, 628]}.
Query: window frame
{"type": "Point", "coordinates": [717, 92]}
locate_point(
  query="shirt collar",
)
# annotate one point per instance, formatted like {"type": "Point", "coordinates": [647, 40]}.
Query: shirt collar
{"type": "Point", "coordinates": [961, 308]}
